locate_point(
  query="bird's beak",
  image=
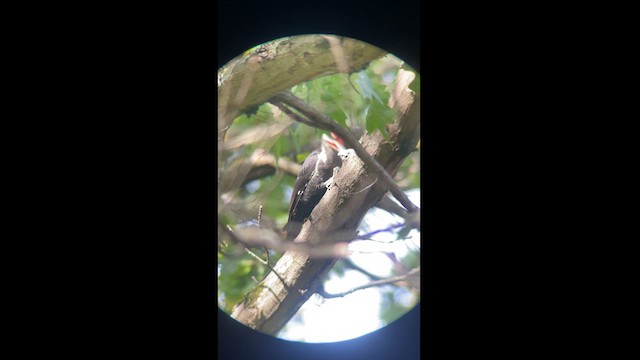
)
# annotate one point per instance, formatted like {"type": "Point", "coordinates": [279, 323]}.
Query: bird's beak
{"type": "Point", "coordinates": [334, 144]}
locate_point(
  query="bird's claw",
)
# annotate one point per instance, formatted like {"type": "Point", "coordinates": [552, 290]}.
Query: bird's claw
{"type": "Point", "coordinates": [329, 182]}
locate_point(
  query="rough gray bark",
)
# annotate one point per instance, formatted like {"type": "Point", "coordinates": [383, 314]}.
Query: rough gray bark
{"type": "Point", "coordinates": [259, 74]}
{"type": "Point", "coordinates": [256, 77]}
{"type": "Point", "coordinates": [272, 303]}
{"type": "Point", "coordinates": [253, 78]}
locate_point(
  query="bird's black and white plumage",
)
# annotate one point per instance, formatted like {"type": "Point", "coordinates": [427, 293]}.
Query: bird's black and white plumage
{"type": "Point", "coordinates": [311, 184]}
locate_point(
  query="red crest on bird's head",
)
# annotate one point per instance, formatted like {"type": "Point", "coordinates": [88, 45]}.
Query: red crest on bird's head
{"type": "Point", "coordinates": [338, 138]}
{"type": "Point", "coordinates": [336, 143]}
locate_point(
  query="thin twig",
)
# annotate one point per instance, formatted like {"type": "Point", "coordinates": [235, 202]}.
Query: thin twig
{"type": "Point", "coordinates": [321, 121]}
{"type": "Point", "coordinates": [365, 188]}
{"type": "Point", "coordinates": [266, 251]}
{"type": "Point", "coordinates": [381, 242]}
{"type": "Point", "coordinates": [266, 263]}
{"type": "Point", "coordinates": [353, 86]}
{"type": "Point", "coordinates": [255, 256]}
{"type": "Point", "coordinates": [230, 231]}
{"type": "Point", "coordinates": [367, 235]}
{"type": "Point", "coordinates": [291, 114]}
{"type": "Point", "coordinates": [352, 265]}
{"type": "Point", "coordinates": [392, 207]}
{"type": "Point", "coordinates": [391, 280]}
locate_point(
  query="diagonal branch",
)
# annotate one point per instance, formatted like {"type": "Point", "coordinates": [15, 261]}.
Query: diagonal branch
{"type": "Point", "coordinates": [321, 121]}
{"type": "Point", "coordinates": [255, 237]}
{"type": "Point", "coordinates": [270, 305]}
{"type": "Point", "coordinates": [260, 164]}
{"type": "Point", "coordinates": [391, 280]}
{"type": "Point", "coordinates": [392, 207]}
{"type": "Point", "coordinates": [251, 79]}
{"type": "Point", "coordinates": [350, 264]}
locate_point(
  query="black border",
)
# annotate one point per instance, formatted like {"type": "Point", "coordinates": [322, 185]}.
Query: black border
{"type": "Point", "coordinates": [398, 36]}
{"type": "Point", "coordinates": [123, 164]}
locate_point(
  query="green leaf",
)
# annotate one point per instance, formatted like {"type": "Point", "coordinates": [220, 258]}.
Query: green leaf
{"type": "Point", "coordinates": [235, 279]}
{"type": "Point", "coordinates": [415, 84]}
{"type": "Point", "coordinates": [338, 269]}
{"type": "Point", "coordinates": [264, 114]}
{"type": "Point", "coordinates": [280, 147]}
{"type": "Point", "coordinates": [378, 117]}
{"type": "Point", "coordinates": [366, 86]}
{"type": "Point", "coordinates": [339, 116]}
{"type": "Point", "coordinates": [390, 310]}
{"type": "Point", "coordinates": [301, 156]}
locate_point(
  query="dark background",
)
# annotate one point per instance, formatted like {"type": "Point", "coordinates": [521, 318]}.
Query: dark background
{"type": "Point", "coordinates": [119, 168]}
{"type": "Point", "coordinates": [393, 27]}
{"type": "Point", "coordinates": [241, 28]}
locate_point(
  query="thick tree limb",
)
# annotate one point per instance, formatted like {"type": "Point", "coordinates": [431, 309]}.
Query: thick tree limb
{"type": "Point", "coordinates": [260, 164]}
{"type": "Point", "coordinates": [326, 123]}
{"type": "Point", "coordinates": [256, 237]}
{"type": "Point", "coordinates": [251, 79]}
{"type": "Point", "coordinates": [260, 75]}
{"type": "Point", "coordinates": [271, 304]}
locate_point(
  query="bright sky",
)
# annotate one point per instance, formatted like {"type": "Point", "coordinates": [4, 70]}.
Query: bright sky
{"type": "Point", "coordinates": [357, 314]}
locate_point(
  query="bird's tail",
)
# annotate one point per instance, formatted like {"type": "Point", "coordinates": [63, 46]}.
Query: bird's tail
{"type": "Point", "coordinates": [292, 228]}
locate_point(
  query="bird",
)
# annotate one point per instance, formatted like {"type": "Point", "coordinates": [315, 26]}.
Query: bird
{"type": "Point", "coordinates": [312, 182]}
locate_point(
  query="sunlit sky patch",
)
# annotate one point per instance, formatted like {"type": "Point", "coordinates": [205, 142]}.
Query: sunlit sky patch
{"type": "Point", "coordinates": [357, 314]}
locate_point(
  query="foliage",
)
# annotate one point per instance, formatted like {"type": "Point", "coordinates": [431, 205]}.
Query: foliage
{"type": "Point", "coordinates": [235, 278]}
{"type": "Point", "coordinates": [398, 300]}
{"type": "Point", "coordinates": [408, 175]}
{"type": "Point", "coordinates": [357, 101]}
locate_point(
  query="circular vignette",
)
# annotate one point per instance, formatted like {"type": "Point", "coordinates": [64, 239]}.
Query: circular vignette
{"type": "Point", "coordinates": [355, 265]}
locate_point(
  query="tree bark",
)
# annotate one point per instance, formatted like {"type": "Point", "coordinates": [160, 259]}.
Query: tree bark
{"type": "Point", "coordinates": [258, 75]}
{"type": "Point", "coordinates": [271, 304]}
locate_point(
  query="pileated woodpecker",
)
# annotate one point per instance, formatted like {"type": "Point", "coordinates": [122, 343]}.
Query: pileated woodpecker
{"type": "Point", "coordinates": [311, 184]}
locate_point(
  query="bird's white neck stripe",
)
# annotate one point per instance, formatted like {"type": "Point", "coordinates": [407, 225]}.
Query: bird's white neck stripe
{"type": "Point", "coordinates": [322, 156]}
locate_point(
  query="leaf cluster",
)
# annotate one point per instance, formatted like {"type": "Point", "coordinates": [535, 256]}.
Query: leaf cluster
{"type": "Point", "coordinates": [358, 101]}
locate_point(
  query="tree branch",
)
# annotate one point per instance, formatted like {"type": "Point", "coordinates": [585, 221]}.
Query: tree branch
{"type": "Point", "coordinates": [259, 74]}
{"type": "Point", "coordinates": [270, 305]}
{"type": "Point", "coordinates": [349, 263]}
{"type": "Point", "coordinates": [392, 207]}
{"type": "Point", "coordinates": [293, 115]}
{"type": "Point", "coordinates": [387, 229]}
{"type": "Point", "coordinates": [255, 237]}
{"type": "Point", "coordinates": [391, 280]}
{"type": "Point", "coordinates": [269, 161]}
{"type": "Point", "coordinates": [259, 165]}
{"type": "Point", "coordinates": [336, 217]}
{"type": "Point", "coordinates": [321, 121]}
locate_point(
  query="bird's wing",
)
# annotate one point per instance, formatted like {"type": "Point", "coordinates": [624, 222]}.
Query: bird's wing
{"type": "Point", "coordinates": [303, 178]}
